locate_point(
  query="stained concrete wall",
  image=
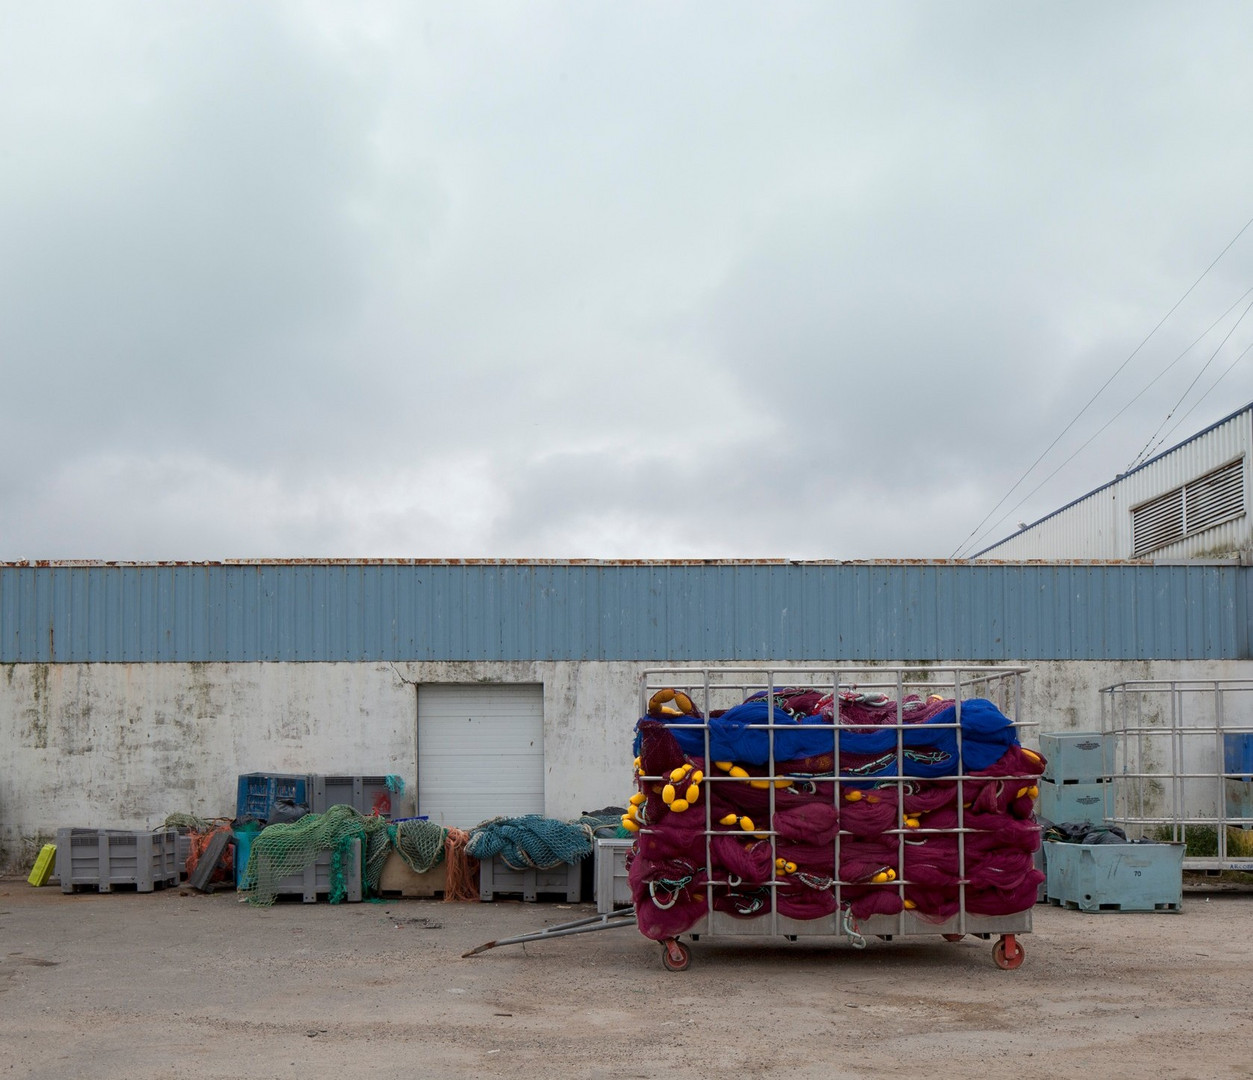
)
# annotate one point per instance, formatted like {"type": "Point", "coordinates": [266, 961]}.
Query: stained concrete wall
{"type": "Point", "coordinates": [125, 745]}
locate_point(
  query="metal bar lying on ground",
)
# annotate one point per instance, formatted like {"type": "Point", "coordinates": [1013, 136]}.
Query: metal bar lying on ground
{"type": "Point", "coordinates": [609, 921]}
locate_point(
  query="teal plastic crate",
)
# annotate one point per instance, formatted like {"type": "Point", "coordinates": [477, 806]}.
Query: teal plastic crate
{"type": "Point", "coordinates": [1073, 802]}
{"type": "Point", "coordinates": [1077, 757]}
{"type": "Point", "coordinates": [1115, 877]}
{"type": "Point", "coordinates": [1238, 799]}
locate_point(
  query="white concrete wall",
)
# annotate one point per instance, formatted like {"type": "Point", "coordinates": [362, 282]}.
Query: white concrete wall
{"type": "Point", "coordinates": [125, 745]}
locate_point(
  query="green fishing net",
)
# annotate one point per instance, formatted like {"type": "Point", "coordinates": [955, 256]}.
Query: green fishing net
{"type": "Point", "coordinates": [281, 851]}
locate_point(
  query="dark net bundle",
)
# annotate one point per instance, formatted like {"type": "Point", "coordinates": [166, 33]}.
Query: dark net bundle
{"type": "Point", "coordinates": [803, 894]}
{"type": "Point", "coordinates": [669, 894]}
{"type": "Point", "coordinates": [868, 811]}
{"type": "Point", "coordinates": [667, 874]}
{"type": "Point", "coordinates": [734, 859]}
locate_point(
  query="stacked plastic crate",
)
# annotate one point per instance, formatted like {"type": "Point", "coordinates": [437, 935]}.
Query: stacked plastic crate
{"type": "Point", "coordinates": [1076, 785]}
{"type": "Point", "coordinates": [258, 794]}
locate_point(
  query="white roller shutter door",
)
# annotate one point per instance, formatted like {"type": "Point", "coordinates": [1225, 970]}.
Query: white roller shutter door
{"type": "Point", "coordinates": [480, 752]}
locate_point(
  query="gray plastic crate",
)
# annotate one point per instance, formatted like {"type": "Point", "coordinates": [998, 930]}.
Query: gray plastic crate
{"type": "Point", "coordinates": [612, 888]}
{"type": "Point", "coordinates": [1073, 802]}
{"type": "Point", "coordinates": [1116, 877]}
{"type": "Point", "coordinates": [182, 848]}
{"type": "Point", "coordinates": [496, 877]}
{"type": "Point", "coordinates": [1077, 757]}
{"type": "Point", "coordinates": [104, 858]}
{"type": "Point", "coordinates": [365, 794]}
{"type": "Point", "coordinates": [315, 881]}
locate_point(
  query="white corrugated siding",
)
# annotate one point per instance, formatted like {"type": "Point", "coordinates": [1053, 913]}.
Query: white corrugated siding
{"type": "Point", "coordinates": [480, 752]}
{"type": "Point", "coordinates": [1099, 525]}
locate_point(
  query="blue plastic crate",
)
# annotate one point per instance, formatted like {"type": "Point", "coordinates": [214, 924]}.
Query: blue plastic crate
{"type": "Point", "coordinates": [258, 792]}
{"type": "Point", "coordinates": [1073, 802]}
{"type": "Point", "coordinates": [1238, 755]}
{"type": "Point", "coordinates": [1077, 757]}
{"type": "Point", "coordinates": [1115, 877]}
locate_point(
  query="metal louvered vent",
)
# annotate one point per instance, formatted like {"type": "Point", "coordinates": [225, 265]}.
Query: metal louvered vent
{"type": "Point", "coordinates": [1157, 523]}
{"type": "Point", "coordinates": [1215, 498]}
{"type": "Point", "coordinates": [1200, 504]}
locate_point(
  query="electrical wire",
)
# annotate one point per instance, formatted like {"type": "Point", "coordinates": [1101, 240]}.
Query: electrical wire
{"type": "Point", "coordinates": [1102, 389]}
{"type": "Point", "coordinates": [1148, 386]}
{"type": "Point", "coordinates": [1230, 367]}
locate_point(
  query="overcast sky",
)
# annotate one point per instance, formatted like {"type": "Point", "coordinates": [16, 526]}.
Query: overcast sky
{"type": "Point", "coordinates": [546, 280]}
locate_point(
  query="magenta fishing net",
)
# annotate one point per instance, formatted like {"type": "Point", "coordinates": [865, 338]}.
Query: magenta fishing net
{"type": "Point", "coordinates": [870, 841]}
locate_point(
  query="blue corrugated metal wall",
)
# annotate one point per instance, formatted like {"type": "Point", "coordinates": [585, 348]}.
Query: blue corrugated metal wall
{"type": "Point", "coordinates": [355, 611]}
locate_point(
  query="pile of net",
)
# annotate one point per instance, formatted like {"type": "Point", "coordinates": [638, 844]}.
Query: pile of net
{"type": "Point", "coordinates": [533, 842]}
{"type": "Point", "coordinates": [281, 851]}
{"type": "Point", "coordinates": [924, 805]}
{"type": "Point", "coordinates": [200, 833]}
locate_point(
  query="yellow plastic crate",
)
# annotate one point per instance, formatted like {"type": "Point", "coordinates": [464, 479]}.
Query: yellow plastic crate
{"type": "Point", "coordinates": [43, 865]}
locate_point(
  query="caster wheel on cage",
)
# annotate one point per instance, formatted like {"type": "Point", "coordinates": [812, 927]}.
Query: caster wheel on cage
{"type": "Point", "coordinates": [1008, 953]}
{"type": "Point", "coordinates": [675, 956]}
{"type": "Point", "coordinates": [952, 937]}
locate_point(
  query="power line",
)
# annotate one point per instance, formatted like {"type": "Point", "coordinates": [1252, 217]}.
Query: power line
{"type": "Point", "coordinates": [1147, 449]}
{"type": "Point", "coordinates": [1201, 337]}
{"type": "Point", "coordinates": [1230, 367]}
{"type": "Point", "coordinates": [1104, 386]}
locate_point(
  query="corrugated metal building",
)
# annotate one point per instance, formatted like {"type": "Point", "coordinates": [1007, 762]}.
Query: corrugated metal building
{"type": "Point", "coordinates": [131, 691]}
{"type": "Point", "coordinates": [1188, 502]}
{"type": "Point", "coordinates": [448, 611]}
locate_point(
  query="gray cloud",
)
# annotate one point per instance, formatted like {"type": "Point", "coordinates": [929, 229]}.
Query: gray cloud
{"type": "Point", "coordinates": [812, 280]}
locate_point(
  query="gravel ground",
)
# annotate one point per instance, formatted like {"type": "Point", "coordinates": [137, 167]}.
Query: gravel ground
{"type": "Point", "coordinates": [178, 983]}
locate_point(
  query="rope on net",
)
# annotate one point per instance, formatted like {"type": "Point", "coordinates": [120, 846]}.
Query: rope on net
{"type": "Point", "coordinates": [188, 821]}
{"type": "Point", "coordinates": [462, 874]}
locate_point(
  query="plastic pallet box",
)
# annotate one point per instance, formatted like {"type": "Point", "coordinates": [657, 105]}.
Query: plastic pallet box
{"type": "Point", "coordinates": [182, 848]}
{"type": "Point", "coordinates": [104, 858]}
{"type": "Point", "coordinates": [1116, 877]}
{"type": "Point", "coordinates": [365, 794]}
{"type": "Point", "coordinates": [400, 879]}
{"type": "Point", "coordinates": [1073, 802]}
{"type": "Point", "coordinates": [496, 877]}
{"type": "Point", "coordinates": [1238, 755]}
{"type": "Point", "coordinates": [1077, 757]}
{"type": "Point", "coordinates": [612, 888]}
{"type": "Point", "coordinates": [258, 792]}
{"type": "Point", "coordinates": [315, 881]}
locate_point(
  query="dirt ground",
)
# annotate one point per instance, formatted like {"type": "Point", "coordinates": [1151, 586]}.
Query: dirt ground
{"type": "Point", "coordinates": [178, 983]}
